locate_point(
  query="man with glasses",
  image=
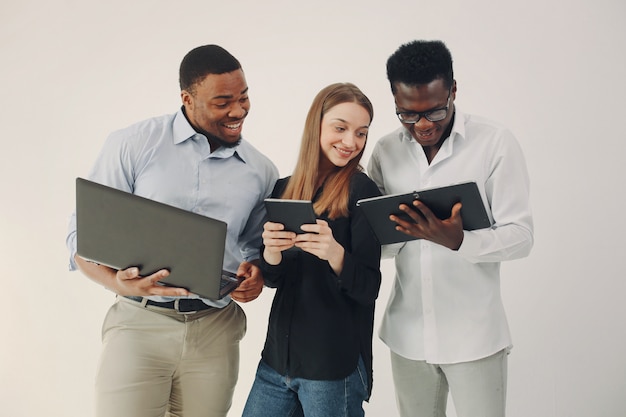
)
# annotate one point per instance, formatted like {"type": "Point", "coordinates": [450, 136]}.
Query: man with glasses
{"type": "Point", "coordinates": [445, 322]}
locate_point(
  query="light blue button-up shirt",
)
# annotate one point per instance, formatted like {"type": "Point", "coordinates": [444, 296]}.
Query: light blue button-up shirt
{"type": "Point", "coordinates": [166, 160]}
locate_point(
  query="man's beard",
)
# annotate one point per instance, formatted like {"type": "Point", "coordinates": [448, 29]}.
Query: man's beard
{"type": "Point", "coordinates": [212, 138]}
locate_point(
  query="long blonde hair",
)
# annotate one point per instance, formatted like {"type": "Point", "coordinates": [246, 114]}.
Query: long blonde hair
{"type": "Point", "coordinates": [302, 184]}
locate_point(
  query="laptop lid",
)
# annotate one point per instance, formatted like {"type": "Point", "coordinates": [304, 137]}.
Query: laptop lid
{"type": "Point", "coordinates": [120, 230]}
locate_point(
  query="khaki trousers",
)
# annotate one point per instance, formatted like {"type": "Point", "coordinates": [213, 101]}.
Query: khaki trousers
{"type": "Point", "coordinates": [156, 362]}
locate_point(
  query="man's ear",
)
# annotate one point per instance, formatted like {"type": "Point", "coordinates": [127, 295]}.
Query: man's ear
{"type": "Point", "coordinates": [186, 98]}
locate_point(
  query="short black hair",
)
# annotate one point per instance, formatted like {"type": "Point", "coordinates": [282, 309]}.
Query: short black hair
{"type": "Point", "coordinates": [204, 60]}
{"type": "Point", "coordinates": [420, 62]}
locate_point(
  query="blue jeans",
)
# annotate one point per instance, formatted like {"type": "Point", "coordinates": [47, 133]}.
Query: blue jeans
{"type": "Point", "coordinates": [275, 395]}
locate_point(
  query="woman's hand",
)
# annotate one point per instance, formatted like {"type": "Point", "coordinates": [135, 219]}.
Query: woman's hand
{"type": "Point", "coordinates": [321, 243]}
{"type": "Point", "coordinates": [276, 240]}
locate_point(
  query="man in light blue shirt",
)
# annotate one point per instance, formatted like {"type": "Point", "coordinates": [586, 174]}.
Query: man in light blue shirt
{"type": "Point", "coordinates": [164, 350]}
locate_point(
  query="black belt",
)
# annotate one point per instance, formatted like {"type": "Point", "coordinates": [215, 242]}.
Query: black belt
{"type": "Point", "coordinates": [182, 305]}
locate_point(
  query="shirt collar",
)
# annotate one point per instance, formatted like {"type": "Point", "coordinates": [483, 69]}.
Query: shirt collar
{"type": "Point", "coordinates": [183, 131]}
{"type": "Point", "coordinates": [182, 128]}
{"type": "Point", "coordinates": [458, 128]}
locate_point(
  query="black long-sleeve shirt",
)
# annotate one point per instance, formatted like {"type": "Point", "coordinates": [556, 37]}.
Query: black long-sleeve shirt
{"type": "Point", "coordinates": [320, 323]}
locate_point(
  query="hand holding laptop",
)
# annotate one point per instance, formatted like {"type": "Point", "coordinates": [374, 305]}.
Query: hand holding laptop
{"type": "Point", "coordinates": [134, 284]}
{"type": "Point", "coordinates": [155, 241]}
{"type": "Point", "coordinates": [128, 281]}
{"type": "Point", "coordinates": [252, 284]}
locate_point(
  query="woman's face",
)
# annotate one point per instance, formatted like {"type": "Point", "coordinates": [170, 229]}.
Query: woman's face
{"type": "Point", "coordinates": [344, 132]}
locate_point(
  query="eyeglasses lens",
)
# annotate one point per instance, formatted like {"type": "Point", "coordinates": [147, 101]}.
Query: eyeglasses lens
{"type": "Point", "coordinates": [433, 116]}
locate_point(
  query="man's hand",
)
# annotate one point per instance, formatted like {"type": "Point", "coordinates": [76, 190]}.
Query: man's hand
{"type": "Point", "coordinates": [252, 284]}
{"type": "Point", "coordinates": [129, 282]}
{"type": "Point", "coordinates": [426, 225]}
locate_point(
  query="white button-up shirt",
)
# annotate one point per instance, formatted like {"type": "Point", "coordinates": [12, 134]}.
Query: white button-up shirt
{"type": "Point", "coordinates": [445, 305]}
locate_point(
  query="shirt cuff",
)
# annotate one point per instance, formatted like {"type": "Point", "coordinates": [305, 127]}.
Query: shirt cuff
{"type": "Point", "coordinates": [470, 245]}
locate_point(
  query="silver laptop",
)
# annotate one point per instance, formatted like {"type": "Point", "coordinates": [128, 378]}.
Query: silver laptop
{"type": "Point", "coordinates": [120, 230]}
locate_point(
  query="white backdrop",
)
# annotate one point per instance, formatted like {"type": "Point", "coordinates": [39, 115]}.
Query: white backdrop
{"type": "Point", "coordinates": [553, 71]}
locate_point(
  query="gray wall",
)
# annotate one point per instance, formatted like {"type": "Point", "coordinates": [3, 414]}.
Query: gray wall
{"type": "Point", "coordinates": [553, 71]}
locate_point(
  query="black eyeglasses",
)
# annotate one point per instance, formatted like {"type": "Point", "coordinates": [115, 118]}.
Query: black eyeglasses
{"type": "Point", "coordinates": [435, 115]}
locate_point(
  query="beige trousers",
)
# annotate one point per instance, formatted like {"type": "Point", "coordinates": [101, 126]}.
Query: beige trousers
{"type": "Point", "coordinates": [156, 362]}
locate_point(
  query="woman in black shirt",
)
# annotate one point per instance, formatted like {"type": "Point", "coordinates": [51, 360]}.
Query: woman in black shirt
{"type": "Point", "coordinates": [317, 359]}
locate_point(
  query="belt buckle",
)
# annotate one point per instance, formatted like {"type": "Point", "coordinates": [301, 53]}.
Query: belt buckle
{"type": "Point", "coordinates": [177, 307]}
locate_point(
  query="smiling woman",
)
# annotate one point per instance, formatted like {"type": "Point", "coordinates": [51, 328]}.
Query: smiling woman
{"type": "Point", "coordinates": [343, 136]}
{"type": "Point", "coordinates": [318, 353]}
